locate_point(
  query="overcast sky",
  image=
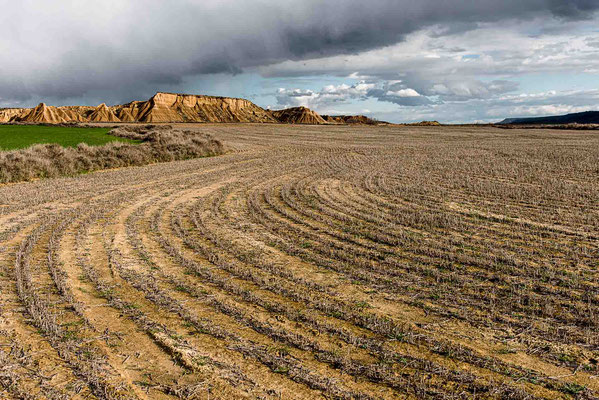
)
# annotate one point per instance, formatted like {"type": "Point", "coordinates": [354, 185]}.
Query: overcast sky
{"type": "Point", "coordinates": [396, 60]}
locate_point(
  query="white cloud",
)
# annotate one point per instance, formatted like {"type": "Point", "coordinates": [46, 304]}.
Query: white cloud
{"type": "Point", "coordinates": [459, 59]}
{"type": "Point", "coordinates": [551, 109]}
{"type": "Point", "coordinates": [403, 93]}
{"type": "Point", "coordinates": [499, 108]}
{"type": "Point", "coordinates": [324, 98]}
{"type": "Point", "coordinates": [473, 74]}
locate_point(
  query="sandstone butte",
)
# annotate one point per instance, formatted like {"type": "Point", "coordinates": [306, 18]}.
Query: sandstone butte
{"type": "Point", "coordinates": [298, 115]}
{"type": "Point", "coordinates": [170, 107]}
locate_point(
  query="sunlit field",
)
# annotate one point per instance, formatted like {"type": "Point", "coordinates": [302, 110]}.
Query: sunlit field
{"type": "Point", "coordinates": [21, 136]}
{"type": "Point", "coordinates": [311, 262]}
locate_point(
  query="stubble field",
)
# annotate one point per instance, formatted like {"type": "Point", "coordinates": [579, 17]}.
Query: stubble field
{"type": "Point", "coordinates": [311, 262]}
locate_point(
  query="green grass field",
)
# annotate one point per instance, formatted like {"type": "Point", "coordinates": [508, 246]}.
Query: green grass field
{"type": "Point", "coordinates": [21, 136]}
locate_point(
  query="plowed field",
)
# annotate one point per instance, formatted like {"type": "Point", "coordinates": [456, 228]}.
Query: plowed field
{"type": "Point", "coordinates": [311, 262]}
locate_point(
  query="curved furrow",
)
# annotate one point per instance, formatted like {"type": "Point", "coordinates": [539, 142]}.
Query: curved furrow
{"type": "Point", "coordinates": [346, 262]}
{"type": "Point", "coordinates": [278, 289]}
{"type": "Point", "coordinates": [345, 248]}
{"type": "Point", "coordinates": [151, 330]}
{"type": "Point", "coordinates": [156, 289]}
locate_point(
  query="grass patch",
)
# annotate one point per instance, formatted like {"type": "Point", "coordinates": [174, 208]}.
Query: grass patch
{"type": "Point", "coordinates": [13, 137]}
{"type": "Point", "coordinates": [83, 153]}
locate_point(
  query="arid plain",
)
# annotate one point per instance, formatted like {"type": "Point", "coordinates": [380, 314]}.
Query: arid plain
{"type": "Point", "coordinates": [346, 262]}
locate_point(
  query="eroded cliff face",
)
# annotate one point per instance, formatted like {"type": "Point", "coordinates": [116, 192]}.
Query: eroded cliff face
{"type": "Point", "coordinates": [103, 113]}
{"type": "Point", "coordinates": [53, 115]}
{"type": "Point", "coordinates": [6, 114]}
{"type": "Point", "coordinates": [162, 107]}
{"type": "Point", "coordinates": [169, 107]}
{"type": "Point", "coordinates": [172, 107]}
{"type": "Point", "coordinates": [303, 115]}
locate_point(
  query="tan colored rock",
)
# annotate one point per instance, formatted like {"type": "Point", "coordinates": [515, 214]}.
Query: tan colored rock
{"type": "Point", "coordinates": [171, 107]}
{"type": "Point", "coordinates": [350, 119]}
{"type": "Point", "coordinates": [52, 115]}
{"type": "Point", "coordinates": [165, 108]}
{"type": "Point", "coordinates": [332, 120]}
{"type": "Point", "coordinates": [298, 115]}
{"type": "Point", "coordinates": [428, 123]}
{"type": "Point", "coordinates": [129, 112]}
{"type": "Point", "coordinates": [7, 114]}
{"type": "Point", "coordinates": [43, 113]}
{"type": "Point", "coordinates": [220, 109]}
{"type": "Point", "coordinates": [162, 107]}
{"type": "Point", "coordinates": [103, 114]}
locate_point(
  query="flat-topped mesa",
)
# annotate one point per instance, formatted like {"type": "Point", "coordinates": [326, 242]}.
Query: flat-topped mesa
{"type": "Point", "coordinates": [172, 107]}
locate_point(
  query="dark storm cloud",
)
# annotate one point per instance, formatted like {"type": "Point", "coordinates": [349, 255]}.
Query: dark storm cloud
{"type": "Point", "coordinates": [66, 49]}
{"type": "Point", "coordinates": [580, 9]}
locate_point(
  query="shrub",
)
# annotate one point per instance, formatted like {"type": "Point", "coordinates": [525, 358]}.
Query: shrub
{"type": "Point", "coordinates": [159, 144]}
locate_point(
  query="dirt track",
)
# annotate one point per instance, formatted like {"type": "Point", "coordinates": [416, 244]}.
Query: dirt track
{"type": "Point", "coordinates": [338, 262]}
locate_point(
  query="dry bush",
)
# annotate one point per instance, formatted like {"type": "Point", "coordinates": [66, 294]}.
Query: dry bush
{"type": "Point", "coordinates": [159, 144]}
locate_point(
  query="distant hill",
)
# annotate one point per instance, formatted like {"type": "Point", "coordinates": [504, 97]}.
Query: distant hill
{"type": "Point", "coordinates": [587, 117]}
{"type": "Point", "coordinates": [298, 115]}
{"type": "Point", "coordinates": [351, 119]}
{"type": "Point", "coordinates": [425, 123]}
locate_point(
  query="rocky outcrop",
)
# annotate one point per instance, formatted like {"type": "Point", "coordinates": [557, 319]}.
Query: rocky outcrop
{"type": "Point", "coordinates": [162, 107]}
{"type": "Point", "coordinates": [103, 113]}
{"type": "Point", "coordinates": [7, 114]}
{"type": "Point", "coordinates": [298, 115]}
{"type": "Point", "coordinates": [350, 119]}
{"type": "Point", "coordinates": [426, 123]}
{"type": "Point", "coordinates": [52, 115]}
{"type": "Point", "coordinates": [169, 107]}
